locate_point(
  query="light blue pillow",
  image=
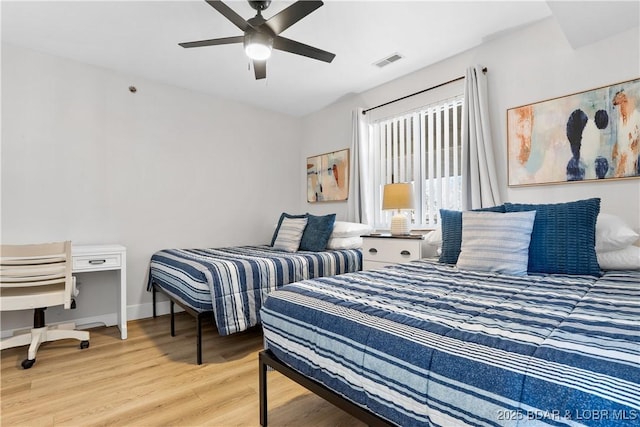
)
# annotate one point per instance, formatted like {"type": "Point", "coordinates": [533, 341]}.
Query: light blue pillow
{"type": "Point", "coordinates": [452, 232]}
{"type": "Point", "coordinates": [316, 234]}
{"type": "Point", "coordinates": [496, 242]}
{"type": "Point", "coordinates": [290, 234]}
{"type": "Point", "coordinates": [563, 239]}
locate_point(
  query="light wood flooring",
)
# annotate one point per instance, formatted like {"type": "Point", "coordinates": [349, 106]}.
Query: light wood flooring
{"type": "Point", "coordinates": [151, 379]}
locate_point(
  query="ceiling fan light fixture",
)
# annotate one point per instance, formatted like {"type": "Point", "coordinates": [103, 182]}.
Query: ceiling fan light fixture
{"type": "Point", "coordinates": [261, 35]}
{"type": "Point", "coordinates": [258, 45]}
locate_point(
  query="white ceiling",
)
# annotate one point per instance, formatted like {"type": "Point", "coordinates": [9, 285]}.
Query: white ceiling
{"type": "Point", "coordinates": [141, 38]}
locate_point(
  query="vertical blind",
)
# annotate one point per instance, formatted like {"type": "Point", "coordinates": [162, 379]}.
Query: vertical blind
{"type": "Point", "coordinates": [422, 147]}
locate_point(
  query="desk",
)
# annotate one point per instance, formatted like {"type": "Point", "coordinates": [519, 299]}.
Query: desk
{"type": "Point", "coordinates": [89, 258]}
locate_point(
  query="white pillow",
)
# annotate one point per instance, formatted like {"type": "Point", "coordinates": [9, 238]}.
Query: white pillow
{"type": "Point", "coordinates": [290, 234]}
{"type": "Point", "coordinates": [622, 259]}
{"type": "Point", "coordinates": [349, 229]}
{"type": "Point", "coordinates": [434, 238]}
{"type": "Point", "coordinates": [612, 233]}
{"type": "Point", "coordinates": [354, 242]}
{"type": "Point", "coordinates": [433, 244]}
{"type": "Point", "coordinates": [496, 242]}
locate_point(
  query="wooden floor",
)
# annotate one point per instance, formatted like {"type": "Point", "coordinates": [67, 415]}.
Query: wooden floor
{"type": "Point", "coordinates": [151, 379]}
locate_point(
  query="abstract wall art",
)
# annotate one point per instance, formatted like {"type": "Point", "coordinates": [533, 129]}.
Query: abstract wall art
{"type": "Point", "coordinates": [586, 136]}
{"type": "Point", "coordinates": [328, 177]}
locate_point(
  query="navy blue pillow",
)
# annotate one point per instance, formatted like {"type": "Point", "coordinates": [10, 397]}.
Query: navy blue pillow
{"type": "Point", "coordinates": [563, 239]}
{"type": "Point", "coordinates": [282, 217]}
{"type": "Point", "coordinates": [316, 234]}
{"type": "Point", "coordinates": [452, 232]}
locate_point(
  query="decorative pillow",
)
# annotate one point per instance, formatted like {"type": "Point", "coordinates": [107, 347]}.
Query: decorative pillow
{"type": "Point", "coordinates": [354, 242]}
{"type": "Point", "coordinates": [290, 234]}
{"type": "Point", "coordinates": [612, 233]}
{"type": "Point", "coordinates": [349, 229]}
{"type": "Point", "coordinates": [497, 242]}
{"type": "Point", "coordinates": [282, 217]}
{"type": "Point", "coordinates": [316, 234]}
{"type": "Point", "coordinates": [563, 238]}
{"type": "Point", "coordinates": [622, 259]}
{"type": "Point", "coordinates": [451, 223]}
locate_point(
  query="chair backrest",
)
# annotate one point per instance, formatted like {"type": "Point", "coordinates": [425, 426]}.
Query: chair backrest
{"type": "Point", "coordinates": [33, 276]}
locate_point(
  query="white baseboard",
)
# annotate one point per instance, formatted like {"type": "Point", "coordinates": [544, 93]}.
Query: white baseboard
{"type": "Point", "coordinates": [144, 311]}
{"type": "Point", "coordinates": [134, 312]}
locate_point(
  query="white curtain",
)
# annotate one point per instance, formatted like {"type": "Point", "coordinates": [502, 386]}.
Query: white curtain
{"type": "Point", "coordinates": [479, 179]}
{"type": "Point", "coordinates": [359, 201]}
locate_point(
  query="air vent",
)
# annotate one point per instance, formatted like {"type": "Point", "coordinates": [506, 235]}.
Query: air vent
{"type": "Point", "coordinates": [388, 60]}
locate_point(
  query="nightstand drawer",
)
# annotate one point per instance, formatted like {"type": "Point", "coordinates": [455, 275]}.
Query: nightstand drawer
{"type": "Point", "coordinates": [391, 251]}
{"type": "Point", "coordinates": [96, 262]}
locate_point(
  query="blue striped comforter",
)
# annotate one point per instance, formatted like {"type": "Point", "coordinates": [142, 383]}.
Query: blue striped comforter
{"type": "Point", "coordinates": [234, 282]}
{"type": "Point", "coordinates": [426, 344]}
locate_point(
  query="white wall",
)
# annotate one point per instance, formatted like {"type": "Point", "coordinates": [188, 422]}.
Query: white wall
{"type": "Point", "coordinates": [530, 65]}
{"type": "Point", "coordinates": [86, 160]}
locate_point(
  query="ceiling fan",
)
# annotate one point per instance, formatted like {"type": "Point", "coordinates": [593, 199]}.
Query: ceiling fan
{"type": "Point", "coordinates": [262, 35]}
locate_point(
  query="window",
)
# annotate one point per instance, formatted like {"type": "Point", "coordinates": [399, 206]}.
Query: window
{"type": "Point", "coordinates": [422, 147]}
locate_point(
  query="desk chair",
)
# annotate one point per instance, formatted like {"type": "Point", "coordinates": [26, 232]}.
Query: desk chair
{"type": "Point", "coordinates": [36, 277]}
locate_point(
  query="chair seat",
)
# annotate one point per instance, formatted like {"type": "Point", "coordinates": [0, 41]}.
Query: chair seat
{"type": "Point", "coordinates": [31, 298]}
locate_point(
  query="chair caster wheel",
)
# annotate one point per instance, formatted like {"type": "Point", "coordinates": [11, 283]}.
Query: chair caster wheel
{"type": "Point", "coordinates": [84, 344]}
{"type": "Point", "coordinates": [27, 363]}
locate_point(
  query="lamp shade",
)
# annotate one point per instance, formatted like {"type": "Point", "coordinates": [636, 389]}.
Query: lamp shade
{"type": "Point", "coordinates": [398, 196]}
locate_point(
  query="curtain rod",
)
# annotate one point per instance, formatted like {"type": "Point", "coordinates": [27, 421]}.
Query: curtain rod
{"type": "Point", "coordinates": [484, 70]}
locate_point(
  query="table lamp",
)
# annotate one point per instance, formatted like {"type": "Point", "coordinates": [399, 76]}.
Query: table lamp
{"type": "Point", "coordinates": [398, 196]}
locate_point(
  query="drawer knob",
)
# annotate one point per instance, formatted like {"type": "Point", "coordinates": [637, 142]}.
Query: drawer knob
{"type": "Point", "coordinates": [97, 261]}
{"type": "Point", "coordinates": [405, 253]}
{"type": "Point", "coordinates": [373, 251]}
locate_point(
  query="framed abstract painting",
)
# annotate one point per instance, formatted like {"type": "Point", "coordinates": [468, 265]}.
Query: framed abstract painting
{"type": "Point", "coordinates": [328, 177]}
{"type": "Point", "coordinates": [587, 136]}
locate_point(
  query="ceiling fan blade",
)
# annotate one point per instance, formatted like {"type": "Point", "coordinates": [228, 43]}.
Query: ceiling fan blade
{"type": "Point", "coordinates": [213, 42]}
{"type": "Point", "coordinates": [260, 68]}
{"type": "Point", "coordinates": [298, 48]}
{"type": "Point", "coordinates": [228, 13]}
{"type": "Point", "coordinates": [289, 16]}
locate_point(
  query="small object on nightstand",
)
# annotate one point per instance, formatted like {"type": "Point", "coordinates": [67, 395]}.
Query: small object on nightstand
{"type": "Point", "coordinates": [398, 197]}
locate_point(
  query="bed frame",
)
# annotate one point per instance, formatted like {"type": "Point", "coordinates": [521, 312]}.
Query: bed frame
{"type": "Point", "coordinates": [199, 316]}
{"type": "Point", "coordinates": [266, 359]}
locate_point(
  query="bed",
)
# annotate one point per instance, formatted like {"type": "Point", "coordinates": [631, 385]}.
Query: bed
{"type": "Point", "coordinates": [432, 343]}
{"type": "Point", "coordinates": [424, 343]}
{"type": "Point", "coordinates": [230, 284]}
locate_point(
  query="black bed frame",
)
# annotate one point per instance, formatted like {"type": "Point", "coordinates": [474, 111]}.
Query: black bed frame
{"type": "Point", "coordinates": [267, 359]}
{"type": "Point", "coordinates": [200, 316]}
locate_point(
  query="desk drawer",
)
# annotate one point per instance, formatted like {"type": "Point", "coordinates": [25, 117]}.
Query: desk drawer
{"type": "Point", "coordinates": [96, 262]}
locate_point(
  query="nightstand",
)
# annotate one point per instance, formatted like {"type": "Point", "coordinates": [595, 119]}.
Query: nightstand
{"type": "Point", "coordinates": [379, 250]}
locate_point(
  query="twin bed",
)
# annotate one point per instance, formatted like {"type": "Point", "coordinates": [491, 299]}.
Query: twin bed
{"type": "Point", "coordinates": [429, 343]}
{"type": "Point", "coordinates": [229, 285]}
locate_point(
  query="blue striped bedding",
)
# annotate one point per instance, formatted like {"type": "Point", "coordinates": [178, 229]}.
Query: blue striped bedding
{"type": "Point", "coordinates": [238, 279]}
{"type": "Point", "coordinates": [426, 344]}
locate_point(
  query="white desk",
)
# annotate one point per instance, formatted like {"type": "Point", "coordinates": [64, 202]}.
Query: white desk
{"type": "Point", "coordinates": [89, 258]}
